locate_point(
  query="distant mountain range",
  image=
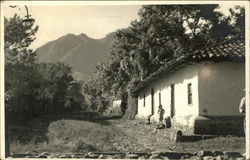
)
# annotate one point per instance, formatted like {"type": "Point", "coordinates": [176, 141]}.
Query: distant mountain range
{"type": "Point", "coordinates": [81, 52]}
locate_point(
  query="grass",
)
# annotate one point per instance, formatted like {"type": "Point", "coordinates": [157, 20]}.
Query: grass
{"type": "Point", "coordinates": [81, 135]}
{"type": "Point", "coordinates": [57, 133]}
{"type": "Point", "coordinates": [67, 136]}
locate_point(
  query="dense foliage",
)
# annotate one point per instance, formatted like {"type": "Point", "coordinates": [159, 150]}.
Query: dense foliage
{"type": "Point", "coordinates": [31, 88]}
{"type": "Point", "coordinates": [162, 33]}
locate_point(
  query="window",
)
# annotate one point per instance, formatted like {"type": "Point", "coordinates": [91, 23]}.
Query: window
{"type": "Point", "coordinates": [144, 102]}
{"type": "Point", "coordinates": [190, 93]}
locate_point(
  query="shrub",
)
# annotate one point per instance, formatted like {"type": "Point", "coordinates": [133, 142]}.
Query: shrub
{"type": "Point", "coordinates": [80, 136]}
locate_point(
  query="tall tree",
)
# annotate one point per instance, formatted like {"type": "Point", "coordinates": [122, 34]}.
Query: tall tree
{"type": "Point", "coordinates": [20, 63]}
{"type": "Point", "coordinates": [161, 34]}
{"type": "Point", "coordinates": [237, 19]}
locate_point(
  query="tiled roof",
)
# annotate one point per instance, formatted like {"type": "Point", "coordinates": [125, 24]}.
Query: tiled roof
{"type": "Point", "coordinates": [229, 50]}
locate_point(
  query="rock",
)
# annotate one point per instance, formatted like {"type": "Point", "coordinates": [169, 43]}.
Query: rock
{"type": "Point", "coordinates": [53, 156]}
{"type": "Point", "coordinates": [208, 158]}
{"type": "Point", "coordinates": [176, 136]}
{"type": "Point", "coordinates": [45, 153]}
{"type": "Point", "coordinates": [68, 156]}
{"type": "Point", "coordinates": [29, 156]}
{"type": "Point", "coordinates": [205, 153]}
{"type": "Point", "coordinates": [116, 156]}
{"type": "Point", "coordinates": [195, 158]}
{"type": "Point", "coordinates": [219, 158]}
{"type": "Point", "coordinates": [142, 157]}
{"type": "Point", "coordinates": [156, 152]}
{"type": "Point", "coordinates": [218, 153]}
{"type": "Point", "coordinates": [92, 156]}
{"type": "Point", "coordinates": [185, 157]}
{"type": "Point", "coordinates": [154, 156]}
{"type": "Point", "coordinates": [154, 131]}
{"type": "Point", "coordinates": [41, 156]}
{"type": "Point", "coordinates": [61, 156]}
{"type": "Point", "coordinates": [166, 158]}
{"type": "Point", "coordinates": [78, 155]}
{"type": "Point", "coordinates": [229, 155]}
{"type": "Point", "coordinates": [131, 156]}
{"type": "Point", "coordinates": [241, 158]}
{"type": "Point", "coordinates": [101, 156]}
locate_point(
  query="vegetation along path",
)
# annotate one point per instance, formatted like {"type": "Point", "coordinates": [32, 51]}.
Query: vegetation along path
{"type": "Point", "coordinates": [75, 135]}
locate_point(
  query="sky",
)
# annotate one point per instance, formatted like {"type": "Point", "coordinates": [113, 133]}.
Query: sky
{"type": "Point", "coordinates": [94, 20]}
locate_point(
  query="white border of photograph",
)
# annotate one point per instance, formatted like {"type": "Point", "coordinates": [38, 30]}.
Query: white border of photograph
{"type": "Point", "coordinates": [79, 3]}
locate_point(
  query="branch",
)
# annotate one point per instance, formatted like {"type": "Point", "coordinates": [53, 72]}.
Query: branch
{"type": "Point", "coordinates": [195, 25]}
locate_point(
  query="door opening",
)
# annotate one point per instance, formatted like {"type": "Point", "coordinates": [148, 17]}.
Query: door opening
{"type": "Point", "coordinates": [152, 101]}
{"type": "Point", "coordinates": [172, 112]}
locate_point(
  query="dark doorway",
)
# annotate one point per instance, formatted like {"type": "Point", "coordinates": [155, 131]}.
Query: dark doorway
{"type": "Point", "coordinates": [152, 101]}
{"type": "Point", "coordinates": [172, 112]}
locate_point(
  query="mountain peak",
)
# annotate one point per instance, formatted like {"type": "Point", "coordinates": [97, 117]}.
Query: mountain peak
{"type": "Point", "coordinates": [69, 35]}
{"type": "Point", "coordinates": [80, 52]}
{"type": "Point", "coordinates": [83, 35]}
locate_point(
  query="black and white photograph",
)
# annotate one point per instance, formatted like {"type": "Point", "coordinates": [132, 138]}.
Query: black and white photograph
{"type": "Point", "coordinates": [125, 80]}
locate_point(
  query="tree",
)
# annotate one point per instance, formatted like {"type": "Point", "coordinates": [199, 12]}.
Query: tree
{"type": "Point", "coordinates": [237, 19]}
{"type": "Point", "coordinates": [20, 65]}
{"type": "Point", "coordinates": [161, 34]}
{"type": "Point", "coordinates": [19, 71]}
{"type": "Point", "coordinates": [94, 96]}
{"type": "Point", "coordinates": [33, 88]}
{"type": "Point", "coordinates": [58, 91]}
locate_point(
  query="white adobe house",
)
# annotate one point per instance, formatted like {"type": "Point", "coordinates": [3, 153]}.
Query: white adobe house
{"type": "Point", "coordinates": [200, 92]}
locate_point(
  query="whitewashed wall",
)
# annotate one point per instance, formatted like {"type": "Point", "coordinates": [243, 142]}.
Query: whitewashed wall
{"type": "Point", "coordinates": [116, 103]}
{"type": "Point", "coordinates": [144, 110]}
{"type": "Point", "coordinates": [221, 87]}
{"type": "Point", "coordinates": [180, 78]}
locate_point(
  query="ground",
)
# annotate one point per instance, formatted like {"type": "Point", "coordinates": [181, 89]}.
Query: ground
{"type": "Point", "coordinates": [81, 135]}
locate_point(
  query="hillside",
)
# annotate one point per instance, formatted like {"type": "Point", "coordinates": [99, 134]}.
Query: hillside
{"type": "Point", "coordinates": [81, 52]}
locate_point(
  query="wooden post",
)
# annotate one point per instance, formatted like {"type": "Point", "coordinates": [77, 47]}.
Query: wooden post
{"type": "Point", "coordinates": [247, 75]}
{"type": "Point", "coordinates": [7, 134]}
{"type": "Point", "coordinates": [247, 111]}
{"type": "Point", "coordinates": [2, 115]}
{"type": "Point", "coordinates": [247, 106]}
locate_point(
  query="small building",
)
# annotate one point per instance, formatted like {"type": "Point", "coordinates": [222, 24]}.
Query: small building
{"type": "Point", "coordinates": [116, 103]}
{"type": "Point", "coordinates": [200, 92]}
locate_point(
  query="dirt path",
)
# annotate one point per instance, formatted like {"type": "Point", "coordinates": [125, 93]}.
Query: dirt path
{"type": "Point", "coordinates": [131, 136]}
{"type": "Point", "coordinates": [105, 135]}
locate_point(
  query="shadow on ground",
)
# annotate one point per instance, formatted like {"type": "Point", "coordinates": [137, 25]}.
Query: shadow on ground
{"type": "Point", "coordinates": [93, 117]}
{"type": "Point", "coordinates": [195, 138]}
{"type": "Point", "coordinates": [35, 131]}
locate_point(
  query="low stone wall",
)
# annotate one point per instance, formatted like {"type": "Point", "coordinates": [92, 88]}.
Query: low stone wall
{"type": "Point", "coordinates": [216, 125]}
{"type": "Point", "coordinates": [217, 155]}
